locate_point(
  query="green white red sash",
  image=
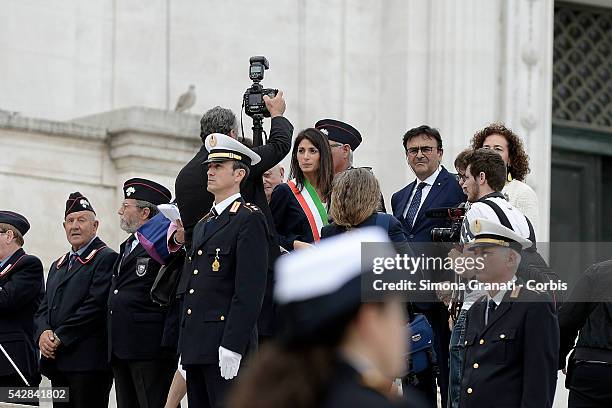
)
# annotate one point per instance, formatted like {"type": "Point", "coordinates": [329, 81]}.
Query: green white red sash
{"type": "Point", "coordinates": [311, 205]}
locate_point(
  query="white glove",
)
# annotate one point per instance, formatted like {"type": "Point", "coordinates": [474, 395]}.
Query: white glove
{"type": "Point", "coordinates": [229, 362]}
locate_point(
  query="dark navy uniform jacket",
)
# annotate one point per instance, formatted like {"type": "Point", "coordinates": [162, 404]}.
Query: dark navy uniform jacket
{"type": "Point", "coordinates": [512, 361]}
{"type": "Point", "coordinates": [74, 307]}
{"type": "Point", "coordinates": [226, 284]}
{"type": "Point", "coordinates": [21, 289]}
{"type": "Point", "coordinates": [136, 325]}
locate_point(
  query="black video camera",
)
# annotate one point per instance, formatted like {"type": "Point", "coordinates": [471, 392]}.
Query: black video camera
{"type": "Point", "coordinates": [253, 102]}
{"type": "Point", "coordinates": [455, 215]}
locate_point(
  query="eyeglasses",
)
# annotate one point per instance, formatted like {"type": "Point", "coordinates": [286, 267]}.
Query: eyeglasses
{"type": "Point", "coordinates": [426, 150]}
{"type": "Point", "coordinates": [461, 177]}
{"type": "Point", "coordinates": [332, 145]}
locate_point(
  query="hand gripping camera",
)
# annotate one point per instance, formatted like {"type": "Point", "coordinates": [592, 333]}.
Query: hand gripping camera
{"type": "Point", "coordinates": [253, 102]}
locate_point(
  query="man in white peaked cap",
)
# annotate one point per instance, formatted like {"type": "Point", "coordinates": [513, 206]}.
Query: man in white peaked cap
{"type": "Point", "coordinates": [512, 333]}
{"type": "Point", "coordinates": [226, 278]}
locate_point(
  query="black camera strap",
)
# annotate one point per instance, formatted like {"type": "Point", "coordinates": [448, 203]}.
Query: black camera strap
{"type": "Point", "coordinates": [503, 219]}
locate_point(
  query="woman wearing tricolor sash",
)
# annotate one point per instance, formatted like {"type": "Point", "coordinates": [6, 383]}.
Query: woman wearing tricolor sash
{"type": "Point", "coordinates": [299, 207]}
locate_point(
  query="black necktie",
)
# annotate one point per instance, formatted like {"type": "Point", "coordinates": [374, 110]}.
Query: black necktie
{"type": "Point", "coordinates": [491, 306]}
{"type": "Point", "coordinates": [128, 246]}
{"type": "Point", "coordinates": [414, 204]}
{"type": "Point", "coordinates": [71, 260]}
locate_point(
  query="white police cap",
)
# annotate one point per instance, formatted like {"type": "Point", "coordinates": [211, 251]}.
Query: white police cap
{"type": "Point", "coordinates": [223, 148]}
{"type": "Point", "coordinates": [488, 232]}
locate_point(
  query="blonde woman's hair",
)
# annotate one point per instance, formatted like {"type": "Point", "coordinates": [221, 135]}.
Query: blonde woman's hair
{"type": "Point", "coordinates": [355, 196]}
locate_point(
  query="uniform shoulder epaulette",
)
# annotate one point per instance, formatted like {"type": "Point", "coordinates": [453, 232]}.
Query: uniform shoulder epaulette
{"type": "Point", "coordinates": [235, 207]}
{"type": "Point", "coordinates": [251, 207]}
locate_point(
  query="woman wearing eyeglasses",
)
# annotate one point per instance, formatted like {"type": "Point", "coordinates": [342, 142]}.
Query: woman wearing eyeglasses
{"type": "Point", "coordinates": [299, 207]}
{"type": "Point", "coordinates": [507, 144]}
{"type": "Point", "coordinates": [354, 204]}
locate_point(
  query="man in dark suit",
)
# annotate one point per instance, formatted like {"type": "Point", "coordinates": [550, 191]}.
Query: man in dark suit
{"type": "Point", "coordinates": [71, 320]}
{"type": "Point", "coordinates": [434, 187]}
{"type": "Point", "coordinates": [195, 201]}
{"type": "Point", "coordinates": [142, 368]}
{"type": "Point", "coordinates": [512, 333]}
{"type": "Point", "coordinates": [21, 288]}
{"type": "Point", "coordinates": [227, 278]}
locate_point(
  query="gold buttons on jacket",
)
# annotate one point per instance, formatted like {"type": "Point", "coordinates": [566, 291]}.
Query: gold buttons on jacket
{"type": "Point", "coordinates": [115, 291]}
{"type": "Point", "coordinates": [191, 291]}
{"type": "Point", "coordinates": [195, 271]}
{"type": "Point", "coordinates": [476, 365]}
{"type": "Point", "coordinates": [469, 390]}
{"type": "Point", "coordinates": [199, 252]}
{"type": "Point", "coordinates": [481, 341]}
{"type": "Point", "coordinates": [502, 336]}
{"type": "Point", "coordinates": [222, 318]}
{"type": "Point", "coordinates": [188, 311]}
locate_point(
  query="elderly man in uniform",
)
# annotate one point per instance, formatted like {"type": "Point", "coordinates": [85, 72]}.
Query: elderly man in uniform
{"type": "Point", "coordinates": [142, 368]}
{"type": "Point", "coordinates": [21, 287]}
{"type": "Point", "coordinates": [512, 334]}
{"type": "Point", "coordinates": [71, 320]}
{"type": "Point", "coordinates": [227, 278]}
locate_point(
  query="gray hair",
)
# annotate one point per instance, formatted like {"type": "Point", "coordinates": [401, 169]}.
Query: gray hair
{"type": "Point", "coordinates": [153, 211]}
{"type": "Point", "coordinates": [351, 157]}
{"type": "Point", "coordinates": [218, 120]}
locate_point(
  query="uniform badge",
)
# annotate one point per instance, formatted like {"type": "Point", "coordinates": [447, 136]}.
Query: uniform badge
{"type": "Point", "coordinates": [324, 131]}
{"type": "Point", "coordinates": [213, 140]}
{"type": "Point", "coordinates": [129, 191]}
{"type": "Point", "coordinates": [216, 264]}
{"type": "Point", "coordinates": [141, 266]}
{"type": "Point", "coordinates": [84, 203]}
{"type": "Point", "coordinates": [477, 226]}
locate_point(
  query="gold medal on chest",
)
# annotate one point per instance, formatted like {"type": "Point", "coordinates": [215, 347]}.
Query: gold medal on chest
{"type": "Point", "coordinates": [216, 265]}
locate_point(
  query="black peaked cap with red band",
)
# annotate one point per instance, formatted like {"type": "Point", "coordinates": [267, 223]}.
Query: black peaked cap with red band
{"type": "Point", "coordinates": [146, 190]}
{"type": "Point", "coordinates": [340, 132]}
